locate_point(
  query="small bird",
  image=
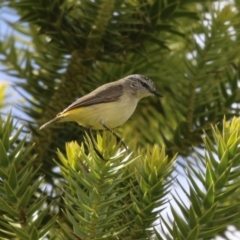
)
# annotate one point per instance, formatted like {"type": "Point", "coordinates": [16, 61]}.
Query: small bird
{"type": "Point", "coordinates": [108, 106]}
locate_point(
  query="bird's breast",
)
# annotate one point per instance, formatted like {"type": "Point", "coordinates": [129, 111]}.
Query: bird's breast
{"type": "Point", "coordinates": [112, 114]}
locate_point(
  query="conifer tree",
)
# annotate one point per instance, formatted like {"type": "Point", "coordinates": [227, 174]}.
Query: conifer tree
{"type": "Point", "coordinates": [53, 184]}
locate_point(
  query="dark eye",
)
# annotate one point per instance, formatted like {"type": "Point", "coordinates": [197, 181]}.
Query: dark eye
{"type": "Point", "coordinates": [133, 85]}
{"type": "Point", "coordinates": [144, 85]}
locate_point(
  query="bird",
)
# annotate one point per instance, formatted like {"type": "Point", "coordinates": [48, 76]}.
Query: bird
{"type": "Point", "coordinates": [108, 106]}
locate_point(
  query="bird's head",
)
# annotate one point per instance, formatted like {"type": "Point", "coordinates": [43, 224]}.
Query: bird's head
{"type": "Point", "coordinates": [141, 86]}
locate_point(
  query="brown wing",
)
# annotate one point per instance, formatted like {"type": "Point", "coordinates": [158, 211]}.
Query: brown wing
{"type": "Point", "coordinates": [108, 94]}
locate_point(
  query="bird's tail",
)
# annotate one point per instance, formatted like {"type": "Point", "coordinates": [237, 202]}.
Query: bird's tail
{"type": "Point", "coordinates": [56, 119]}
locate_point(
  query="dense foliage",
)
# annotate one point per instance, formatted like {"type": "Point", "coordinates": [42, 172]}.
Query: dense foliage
{"type": "Point", "coordinates": [53, 184]}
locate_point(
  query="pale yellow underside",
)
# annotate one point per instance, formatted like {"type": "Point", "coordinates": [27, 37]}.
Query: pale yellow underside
{"type": "Point", "coordinates": [111, 114]}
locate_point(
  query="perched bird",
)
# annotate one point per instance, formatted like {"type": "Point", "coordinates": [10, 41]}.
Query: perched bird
{"type": "Point", "coordinates": [108, 106]}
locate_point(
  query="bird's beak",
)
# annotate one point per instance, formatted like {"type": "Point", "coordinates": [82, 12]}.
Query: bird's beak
{"type": "Point", "coordinates": [156, 93]}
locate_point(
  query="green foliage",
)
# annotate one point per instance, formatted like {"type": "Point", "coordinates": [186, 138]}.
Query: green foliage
{"type": "Point", "coordinates": [24, 211]}
{"type": "Point", "coordinates": [211, 187]}
{"type": "Point", "coordinates": [118, 197]}
{"type": "Point", "coordinates": [104, 41]}
{"type": "Point", "coordinates": [64, 49]}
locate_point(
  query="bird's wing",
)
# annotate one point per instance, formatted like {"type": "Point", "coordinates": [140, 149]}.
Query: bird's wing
{"type": "Point", "coordinates": [109, 94]}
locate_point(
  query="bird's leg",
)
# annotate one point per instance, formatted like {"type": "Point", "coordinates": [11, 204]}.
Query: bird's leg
{"type": "Point", "coordinates": [116, 136]}
{"type": "Point", "coordinates": [89, 131]}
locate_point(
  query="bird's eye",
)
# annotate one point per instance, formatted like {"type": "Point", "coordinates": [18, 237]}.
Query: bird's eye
{"type": "Point", "coordinates": [144, 85]}
{"type": "Point", "coordinates": [133, 85]}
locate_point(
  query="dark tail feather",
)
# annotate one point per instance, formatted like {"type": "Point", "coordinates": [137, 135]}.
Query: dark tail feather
{"type": "Point", "coordinates": [50, 122]}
